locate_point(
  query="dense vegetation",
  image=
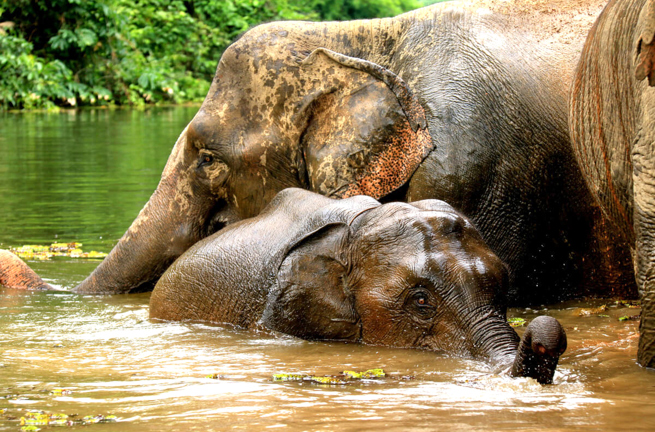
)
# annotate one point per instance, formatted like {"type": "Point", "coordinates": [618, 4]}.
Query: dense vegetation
{"type": "Point", "coordinates": [133, 52]}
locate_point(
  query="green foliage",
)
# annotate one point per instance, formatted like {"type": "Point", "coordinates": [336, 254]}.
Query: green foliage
{"type": "Point", "coordinates": [133, 52]}
{"type": "Point", "coordinates": [340, 10]}
{"type": "Point", "coordinates": [27, 80]}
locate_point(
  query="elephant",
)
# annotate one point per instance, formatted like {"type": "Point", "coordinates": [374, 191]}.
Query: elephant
{"type": "Point", "coordinates": [612, 124]}
{"type": "Point", "coordinates": [14, 273]}
{"type": "Point", "coordinates": [408, 275]}
{"type": "Point", "coordinates": [465, 102]}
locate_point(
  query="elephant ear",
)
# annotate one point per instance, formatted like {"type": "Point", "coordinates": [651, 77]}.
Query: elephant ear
{"type": "Point", "coordinates": [645, 63]}
{"type": "Point", "coordinates": [309, 299]}
{"type": "Point", "coordinates": [366, 132]}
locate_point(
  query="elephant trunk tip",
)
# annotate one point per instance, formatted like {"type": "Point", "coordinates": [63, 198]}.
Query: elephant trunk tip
{"type": "Point", "coordinates": [541, 346]}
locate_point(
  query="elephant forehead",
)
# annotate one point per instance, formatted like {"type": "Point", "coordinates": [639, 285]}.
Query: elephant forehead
{"type": "Point", "coordinates": [427, 242]}
{"type": "Point", "coordinates": [398, 220]}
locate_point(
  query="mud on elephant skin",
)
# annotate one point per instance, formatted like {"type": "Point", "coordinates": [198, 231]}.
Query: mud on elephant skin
{"type": "Point", "coordinates": [436, 103]}
{"type": "Point", "coordinates": [414, 275]}
{"type": "Point", "coordinates": [612, 122]}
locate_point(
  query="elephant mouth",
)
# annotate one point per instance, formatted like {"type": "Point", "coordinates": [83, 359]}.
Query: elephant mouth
{"type": "Point", "coordinates": [219, 217]}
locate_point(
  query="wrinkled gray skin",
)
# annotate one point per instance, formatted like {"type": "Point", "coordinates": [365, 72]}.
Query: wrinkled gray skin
{"type": "Point", "coordinates": [412, 275]}
{"type": "Point", "coordinates": [612, 123]}
{"type": "Point", "coordinates": [463, 101]}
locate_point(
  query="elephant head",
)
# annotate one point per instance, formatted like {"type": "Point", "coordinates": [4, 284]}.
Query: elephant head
{"type": "Point", "coordinates": [277, 115]}
{"type": "Point", "coordinates": [413, 275]}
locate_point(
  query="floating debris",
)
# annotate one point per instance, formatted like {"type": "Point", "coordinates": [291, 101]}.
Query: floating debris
{"type": "Point", "coordinates": [630, 304]}
{"type": "Point", "coordinates": [373, 373]}
{"type": "Point", "coordinates": [60, 392]}
{"type": "Point", "coordinates": [70, 250]}
{"type": "Point", "coordinates": [218, 377]}
{"type": "Point", "coordinates": [327, 380]}
{"type": "Point", "coordinates": [98, 419]}
{"type": "Point", "coordinates": [289, 377]}
{"type": "Point", "coordinates": [587, 312]}
{"type": "Point", "coordinates": [630, 318]}
{"type": "Point", "coordinates": [344, 378]}
{"type": "Point", "coordinates": [32, 419]}
{"type": "Point", "coordinates": [516, 322]}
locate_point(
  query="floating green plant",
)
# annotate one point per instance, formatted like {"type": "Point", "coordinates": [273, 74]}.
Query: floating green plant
{"type": "Point", "coordinates": [516, 322]}
{"type": "Point", "coordinates": [32, 419]}
{"type": "Point", "coordinates": [631, 304]}
{"type": "Point", "coordinates": [69, 250]}
{"type": "Point", "coordinates": [288, 377]}
{"type": "Point", "coordinates": [344, 378]}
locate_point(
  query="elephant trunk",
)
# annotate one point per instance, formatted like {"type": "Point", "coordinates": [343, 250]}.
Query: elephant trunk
{"type": "Point", "coordinates": [542, 344]}
{"type": "Point", "coordinates": [170, 222]}
{"type": "Point", "coordinates": [536, 354]}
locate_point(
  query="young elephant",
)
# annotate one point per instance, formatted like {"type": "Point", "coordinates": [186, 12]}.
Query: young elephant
{"type": "Point", "coordinates": [413, 275]}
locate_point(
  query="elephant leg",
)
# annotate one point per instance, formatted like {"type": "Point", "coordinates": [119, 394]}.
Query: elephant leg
{"type": "Point", "coordinates": [643, 158]}
{"type": "Point", "coordinates": [645, 272]}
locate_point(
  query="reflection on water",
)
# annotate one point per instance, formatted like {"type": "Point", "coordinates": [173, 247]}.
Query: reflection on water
{"type": "Point", "coordinates": [85, 176]}
{"type": "Point", "coordinates": [81, 175]}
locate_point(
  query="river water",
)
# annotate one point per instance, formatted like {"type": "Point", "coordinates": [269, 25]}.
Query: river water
{"type": "Point", "coordinates": [83, 176]}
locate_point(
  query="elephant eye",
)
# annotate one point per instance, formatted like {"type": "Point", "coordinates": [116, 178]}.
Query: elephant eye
{"type": "Point", "coordinates": [205, 159]}
{"type": "Point", "coordinates": [421, 303]}
{"type": "Point", "coordinates": [421, 300]}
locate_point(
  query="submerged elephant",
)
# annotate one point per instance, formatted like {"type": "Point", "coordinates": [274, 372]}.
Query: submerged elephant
{"type": "Point", "coordinates": [414, 275]}
{"type": "Point", "coordinates": [461, 101]}
{"type": "Point", "coordinates": [612, 122]}
{"type": "Point", "coordinates": [14, 273]}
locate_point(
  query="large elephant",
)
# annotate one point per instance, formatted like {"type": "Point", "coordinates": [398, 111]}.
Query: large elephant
{"type": "Point", "coordinates": [414, 275]}
{"type": "Point", "coordinates": [463, 101]}
{"type": "Point", "coordinates": [612, 123]}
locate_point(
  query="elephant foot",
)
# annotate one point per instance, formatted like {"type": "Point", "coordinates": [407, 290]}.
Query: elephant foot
{"type": "Point", "coordinates": [14, 273]}
{"type": "Point", "coordinates": [541, 346]}
{"type": "Point", "coordinates": [646, 353]}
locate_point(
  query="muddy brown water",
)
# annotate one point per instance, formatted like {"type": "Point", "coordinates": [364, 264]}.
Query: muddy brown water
{"type": "Point", "coordinates": [84, 176]}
